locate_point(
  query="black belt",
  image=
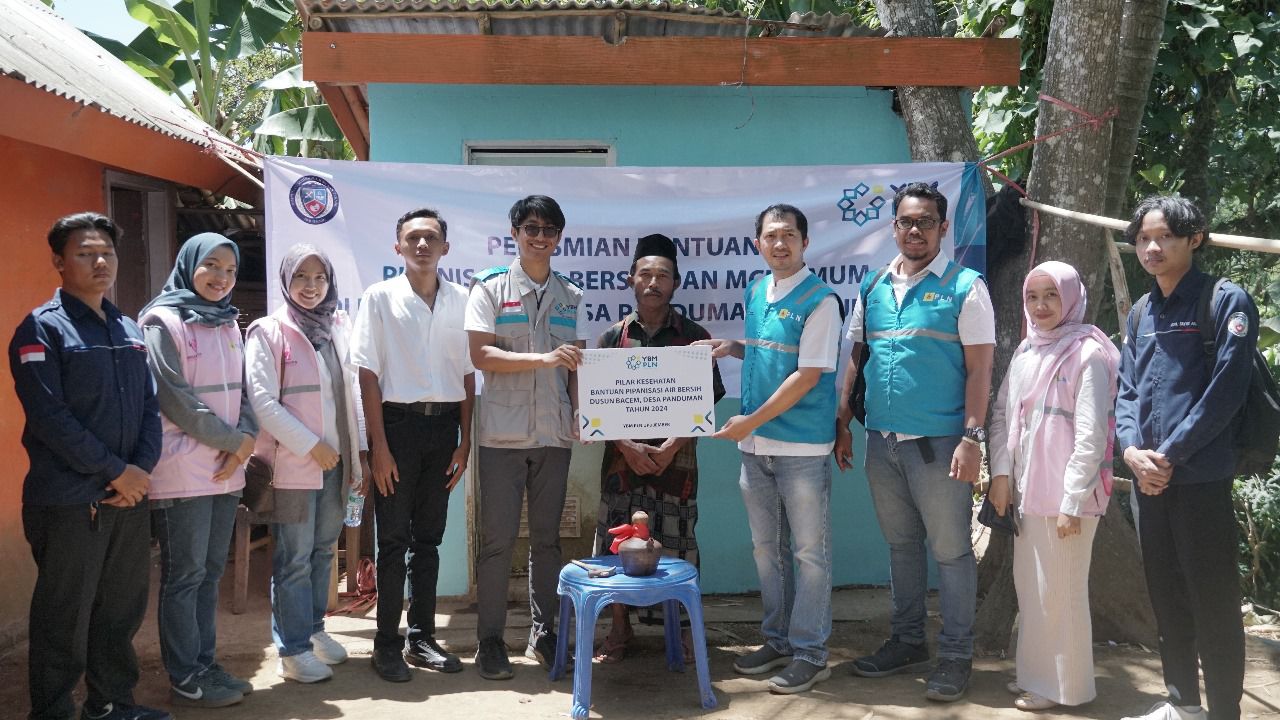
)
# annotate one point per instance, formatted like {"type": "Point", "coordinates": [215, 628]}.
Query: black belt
{"type": "Point", "coordinates": [424, 408]}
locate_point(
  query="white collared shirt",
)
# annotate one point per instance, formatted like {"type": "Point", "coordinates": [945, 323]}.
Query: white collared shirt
{"type": "Point", "coordinates": [418, 354]}
{"type": "Point", "coordinates": [819, 348]}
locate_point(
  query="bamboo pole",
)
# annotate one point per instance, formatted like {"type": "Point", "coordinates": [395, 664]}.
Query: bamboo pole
{"type": "Point", "coordinates": [1235, 242]}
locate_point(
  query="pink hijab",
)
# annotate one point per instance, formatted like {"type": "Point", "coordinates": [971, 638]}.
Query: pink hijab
{"type": "Point", "coordinates": [1060, 352]}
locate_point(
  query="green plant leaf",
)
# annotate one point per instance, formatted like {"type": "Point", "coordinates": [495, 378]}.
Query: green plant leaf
{"type": "Point", "coordinates": [1245, 44]}
{"type": "Point", "coordinates": [312, 122]}
{"type": "Point", "coordinates": [1206, 21]}
{"type": "Point", "coordinates": [169, 26]}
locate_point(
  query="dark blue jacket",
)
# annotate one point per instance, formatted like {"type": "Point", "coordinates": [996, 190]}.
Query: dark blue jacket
{"type": "Point", "coordinates": [1175, 399]}
{"type": "Point", "coordinates": [89, 399]}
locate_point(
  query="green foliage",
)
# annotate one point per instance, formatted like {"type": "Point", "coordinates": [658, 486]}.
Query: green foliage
{"type": "Point", "coordinates": [233, 63]}
{"type": "Point", "coordinates": [1257, 503]}
{"type": "Point", "coordinates": [1211, 117]}
{"type": "Point", "coordinates": [1004, 117]}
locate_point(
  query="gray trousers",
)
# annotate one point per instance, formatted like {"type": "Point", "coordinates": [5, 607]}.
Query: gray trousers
{"type": "Point", "coordinates": [505, 476]}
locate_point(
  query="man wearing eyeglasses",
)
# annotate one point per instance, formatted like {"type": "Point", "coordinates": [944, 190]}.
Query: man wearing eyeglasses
{"type": "Point", "coordinates": [931, 331]}
{"type": "Point", "coordinates": [523, 323]}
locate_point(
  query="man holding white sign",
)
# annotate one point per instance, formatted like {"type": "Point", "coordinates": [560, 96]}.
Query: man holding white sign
{"type": "Point", "coordinates": [657, 476]}
{"type": "Point", "coordinates": [523, 321]}
{"type": "Point", "coordinates": [788, 396]}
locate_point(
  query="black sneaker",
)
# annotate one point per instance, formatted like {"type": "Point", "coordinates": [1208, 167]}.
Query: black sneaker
{"type": "Point", "coordinates": [427, 653]}
{"type": "Point", "coordinates": [491, 659]}
{"type": "Point", "coordinates": [389, 665]}
{"type": "Point", "coordinates": [543, 650]}
{"type": "Point", "coordinates": [894, 656]}
{"type": "Point", "coordinates": [799, 676]}
{"type": "Point", "coordinates": [203, 690]}
{"type": "Point", "coordinates": [121, 711]}
{"type": "Point", "coordinates": [220, 676]}
{"type": "Point", "coordinates": [949, 680]}
{"type": "Point", "coordinates": [760, 661]}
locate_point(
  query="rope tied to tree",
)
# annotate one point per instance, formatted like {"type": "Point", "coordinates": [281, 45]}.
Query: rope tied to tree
{"type": "Point", "coordinates": [1095, 122]}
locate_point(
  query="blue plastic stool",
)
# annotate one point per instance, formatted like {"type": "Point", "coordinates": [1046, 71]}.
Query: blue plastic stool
{"type": "Point", "coordinates": [674, 583]}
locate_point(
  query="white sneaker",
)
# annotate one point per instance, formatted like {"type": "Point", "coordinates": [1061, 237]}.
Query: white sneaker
{"type": "Point", "coordinates": [304, 667]}
{"type": "Point", "coordinates": [1165, 710]}
{"type": "Point", "coordinates": [328, 650]}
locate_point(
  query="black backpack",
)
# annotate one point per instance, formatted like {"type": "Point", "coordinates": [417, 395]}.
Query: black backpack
{"type": "Point", "coordinates": [1257, 426]}
{"type": "Point", "coordinates": [858, 395]}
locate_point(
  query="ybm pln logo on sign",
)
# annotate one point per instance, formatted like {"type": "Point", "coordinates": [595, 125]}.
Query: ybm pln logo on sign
{"type": "Point", "coordinates": [313, 200]}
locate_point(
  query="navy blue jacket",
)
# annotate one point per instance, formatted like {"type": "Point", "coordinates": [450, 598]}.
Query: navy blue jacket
{"type": "Point", "coordinates": [1175, 399]}
{"type": "Point", "coordinates": [89, 399]}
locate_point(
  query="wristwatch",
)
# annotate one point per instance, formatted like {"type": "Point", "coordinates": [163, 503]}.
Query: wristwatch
{"type": "Point", "coordinates": [975, 434]}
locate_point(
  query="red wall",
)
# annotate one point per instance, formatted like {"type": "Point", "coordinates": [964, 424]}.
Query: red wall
{"type": "Point", "coordinates": [37, 186]}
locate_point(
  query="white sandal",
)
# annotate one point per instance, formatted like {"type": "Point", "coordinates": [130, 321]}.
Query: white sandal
{"type": "Point", "coordinates": [1030, 701]}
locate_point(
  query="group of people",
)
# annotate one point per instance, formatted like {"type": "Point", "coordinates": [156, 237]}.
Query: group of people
{"type": "Point", "coordinates": [132, 425]}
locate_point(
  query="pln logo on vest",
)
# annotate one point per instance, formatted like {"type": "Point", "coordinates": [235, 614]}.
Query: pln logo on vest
{"type": "Point", "coordinates": [785, 314]}
{"type": "Point", "coordinates": [313, 200]}
{"type": "Point", "coordinates": [935, 297]}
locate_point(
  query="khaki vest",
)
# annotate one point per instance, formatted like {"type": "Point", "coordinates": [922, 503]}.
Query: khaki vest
{"type": "Point", "coordinates": [532, 408]}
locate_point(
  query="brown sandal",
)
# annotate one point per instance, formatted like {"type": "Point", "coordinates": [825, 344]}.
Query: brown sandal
{"type": "Point", "coordinates": [613, 649]}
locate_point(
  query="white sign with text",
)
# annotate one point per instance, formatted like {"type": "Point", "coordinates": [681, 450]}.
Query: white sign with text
{"type": "Point", "coordinates": [645, 392]}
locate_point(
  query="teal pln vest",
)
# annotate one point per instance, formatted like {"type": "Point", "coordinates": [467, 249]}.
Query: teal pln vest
{"type": "Point", "coordinates": [772, 353]}
{"type": "Point", "coordinates": [915, 375]}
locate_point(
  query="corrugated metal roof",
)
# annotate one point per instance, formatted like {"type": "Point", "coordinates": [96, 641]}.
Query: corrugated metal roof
{"type": "Point", "coordinates": [43, 50]}
{"type": "Point", "coordinates": [610, 19]}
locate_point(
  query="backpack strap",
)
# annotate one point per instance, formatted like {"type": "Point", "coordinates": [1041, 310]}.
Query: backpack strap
{"type": "Point", "coordinates": [863, 297]}
{"type": "Point", "coordinates": [1205, 315]}
{"type": "Point", "coordinates": [1135, 316]}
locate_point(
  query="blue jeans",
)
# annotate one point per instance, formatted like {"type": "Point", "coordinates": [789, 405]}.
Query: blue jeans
{"type": "Point", "coordinates": [788, 501]}
{"type": "Point", "coordinates": [916, 500]}
{"type": "Point", "coordinates": [301, 564]}
{"type": "Point", "coordinates": [195, 536]}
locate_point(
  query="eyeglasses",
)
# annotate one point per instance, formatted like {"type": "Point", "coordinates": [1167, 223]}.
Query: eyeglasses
{"type": "Point", "coordinates": [924, 223]}
{"type": "Point", "coordinates": [548, 231]}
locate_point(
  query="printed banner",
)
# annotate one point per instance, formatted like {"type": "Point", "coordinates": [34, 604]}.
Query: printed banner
{"type": "Point", "coordinates": [349, 210]}
{"type": "Point", "coordinates": [646, 392]}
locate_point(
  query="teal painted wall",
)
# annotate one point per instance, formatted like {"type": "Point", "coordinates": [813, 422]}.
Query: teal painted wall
{"type": "Point", "coordinates": [648, 126]}
{"type": "Point", "coordinates": [657, 127]}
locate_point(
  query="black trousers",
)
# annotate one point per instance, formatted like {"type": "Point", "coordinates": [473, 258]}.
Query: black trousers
{"type": "Point", "coordinates": [89, 600]}
{"type": "Point", "coordinates": [1189, 552]}
{"type": "Point", "coordinates": [409, 524]}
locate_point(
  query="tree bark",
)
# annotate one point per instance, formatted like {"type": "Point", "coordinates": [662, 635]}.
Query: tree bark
{"type": "Point", "coordinates": [1140, 34]}
{"type": "Point", "coordinates": [1071, 171]}
{"type": "Point", "coordinates": [938, 128]}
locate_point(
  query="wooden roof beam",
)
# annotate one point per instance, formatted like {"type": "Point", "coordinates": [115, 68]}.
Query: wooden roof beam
{"type": "Point", "coordinates": [350, 114]}
{"type": "Point", "coordinates": [359, 58]}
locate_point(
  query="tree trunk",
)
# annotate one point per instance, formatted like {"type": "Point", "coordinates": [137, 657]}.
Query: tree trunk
{"type": "Point", "coordinates": [1140, 34]}
{"type": "Point", "coordinates": [938, 128]}
{"type": "Point", "coordinates": [1067, 171]}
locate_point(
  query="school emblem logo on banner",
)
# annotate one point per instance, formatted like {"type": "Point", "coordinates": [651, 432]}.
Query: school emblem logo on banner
{"type": "Point", "coordinates": [313, 200]}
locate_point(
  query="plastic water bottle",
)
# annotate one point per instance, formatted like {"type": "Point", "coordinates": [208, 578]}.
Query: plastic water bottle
{"type": "Point", "coordinates": [355, 508]}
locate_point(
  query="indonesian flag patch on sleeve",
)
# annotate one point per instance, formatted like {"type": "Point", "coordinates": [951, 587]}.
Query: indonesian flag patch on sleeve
{"type": "Point", "coordinates": [31, 353]}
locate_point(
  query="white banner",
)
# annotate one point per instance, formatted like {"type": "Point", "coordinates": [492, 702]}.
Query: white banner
{"type": "Point", "coordinates": [349, 210]}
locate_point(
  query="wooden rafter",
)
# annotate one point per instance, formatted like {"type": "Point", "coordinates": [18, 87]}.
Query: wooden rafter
{"type": "Point", "coordinates": [358, 58]}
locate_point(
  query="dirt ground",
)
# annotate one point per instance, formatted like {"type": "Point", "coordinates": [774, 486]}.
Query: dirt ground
{"type": "Point", "coordinates": [640, 687]}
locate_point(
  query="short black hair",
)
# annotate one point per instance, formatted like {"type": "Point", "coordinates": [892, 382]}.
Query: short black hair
{"type": "Point", "coordinates": [777, 210]}
{"type": "Point", "coordinates": [67, 224]}
{"type": "Point", "coordinates": [1180, 214]}
{"type": "Point", "coordinates": [427, 213]}
{"type": "Point", "coordinates": [537, 205]}
{"type": "Point", "coordinates": [923, 191]}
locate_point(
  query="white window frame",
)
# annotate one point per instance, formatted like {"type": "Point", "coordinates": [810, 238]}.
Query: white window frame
{"type": "Point", "coordinates": [533, 147]}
